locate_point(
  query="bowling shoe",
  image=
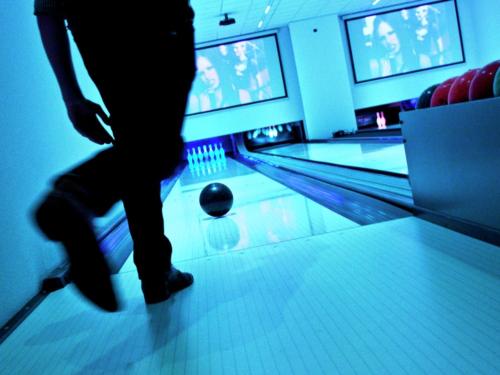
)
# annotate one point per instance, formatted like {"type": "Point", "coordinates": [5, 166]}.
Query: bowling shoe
{"type": "Point", "coordinates": [62, 220]}
{"type": "Point", "coordinates": [156, 291]}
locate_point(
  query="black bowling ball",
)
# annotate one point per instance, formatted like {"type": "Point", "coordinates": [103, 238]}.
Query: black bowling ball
{"type": "Point", "coordinates": [424, 100]}
{"type": "Point", "coordinates": [216, 199]}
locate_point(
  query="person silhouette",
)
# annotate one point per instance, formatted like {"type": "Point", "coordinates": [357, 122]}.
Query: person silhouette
{"type": "Point", "coordinates": [428, 41]}
{"type": "Point", "coordinates": [214, 90]}
{"type": "Point", "coordinates": [391, 37]}
{"type": "Point", "coordinates": [250, 73]}
{"type": "Point", "coordinates": [142, 62]}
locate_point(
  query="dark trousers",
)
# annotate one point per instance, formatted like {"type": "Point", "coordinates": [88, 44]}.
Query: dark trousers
{"type": "Point", "coordinates": [143, 69]}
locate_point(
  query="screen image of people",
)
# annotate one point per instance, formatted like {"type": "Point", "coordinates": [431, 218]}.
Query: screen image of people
{"type": "Point", "coordinates": [236, 73]}
{"type": "Point", "coordinates": [405, 40]}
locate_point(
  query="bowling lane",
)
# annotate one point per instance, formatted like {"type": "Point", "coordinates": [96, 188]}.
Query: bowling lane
{"type": "Point", "coordinates": [264, 212]}
{"type": "Point", "coordinates": [398, 297]}
{"type": "Point", "coordinates": [379, 156]}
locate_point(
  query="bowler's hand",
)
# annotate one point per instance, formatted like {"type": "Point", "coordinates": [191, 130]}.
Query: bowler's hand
{"type": "Point", "coordinates": [85, 115]}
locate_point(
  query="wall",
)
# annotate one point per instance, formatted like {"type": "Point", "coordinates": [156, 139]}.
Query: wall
{"type": "Point", "coordinates": [253, 116]}
{"type": "Point", "coordinates": [36, 141]}
{"type": "Point", "coordinates": [329, 95]}
{"type": "Point", "coordinates": [487, 29]}
{"type": "Point", "coordinates": [409, 86]}
{"type": "Point", "coordinates": [323, 76]}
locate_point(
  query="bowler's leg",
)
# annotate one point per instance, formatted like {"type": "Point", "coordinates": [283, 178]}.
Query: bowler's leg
{"type": "Point", "coordinates": [144, 75]}
{"type": "Point", "coordinates": [65, 215]}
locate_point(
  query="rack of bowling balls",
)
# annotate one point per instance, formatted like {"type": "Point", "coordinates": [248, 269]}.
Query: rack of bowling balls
{"type": "Point", "coordinates": [474, 84]}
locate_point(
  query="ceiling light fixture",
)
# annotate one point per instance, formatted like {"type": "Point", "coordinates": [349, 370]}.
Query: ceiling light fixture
{"type": "Point", "coordinates": [268, 9]}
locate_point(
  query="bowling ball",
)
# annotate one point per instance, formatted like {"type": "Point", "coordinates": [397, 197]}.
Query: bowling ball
{"type": "Point", "coordinates": [216, 199]}
{"type": "Point", "coordinates": [424, 100]}
{"type": "Point", "coordinates": [496, 83]}
{"type": "Point", "coordinates": [481, 86]}
{"type": "Point", "coordinates": [459, 91]}
{"type": "Point", "coordinates": [440, 96]}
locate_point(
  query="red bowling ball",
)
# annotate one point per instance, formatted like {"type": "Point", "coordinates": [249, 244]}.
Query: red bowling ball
{"type": "Point", "coordinates": [440, 96]}
{"type": "Point", "coordinates": [481, 86]}
{"type": "Point", "coordinates": [459, 91]}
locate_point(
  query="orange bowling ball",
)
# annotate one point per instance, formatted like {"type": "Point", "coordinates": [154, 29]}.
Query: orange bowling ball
{"type": "Point", "coordinates": [481, 86]}
{"type": "Point", "coordinates": [459, 91]}
{"type": "Point", "coordinates": [440, 96]}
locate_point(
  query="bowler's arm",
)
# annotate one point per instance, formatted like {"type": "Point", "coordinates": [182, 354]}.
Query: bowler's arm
{"type": "Point", "coordinates": [56, 44]}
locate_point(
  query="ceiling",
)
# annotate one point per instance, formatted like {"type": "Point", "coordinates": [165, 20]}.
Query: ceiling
{"type": "Point", "coordinates": [248, 13]}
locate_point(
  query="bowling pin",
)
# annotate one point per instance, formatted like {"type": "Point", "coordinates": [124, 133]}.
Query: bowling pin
{"type": "Point", "coordinates": [191, 169]}
{"type": "Point", "coordinates": [379, 121]}
{"type": "Point", "coordinates": [216, 152]}
{"type": "Point", "coordinates": [205, 153]}
{"type": "Point", "coordinates": [210, 152]}
{"type": "Point", "coordinates": [222, 151]}
{"type": "Point", "coordinates": [382, 120]}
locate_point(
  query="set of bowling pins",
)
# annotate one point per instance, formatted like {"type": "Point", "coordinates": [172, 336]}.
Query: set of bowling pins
{"type": "Point", "coordinates": [270, 131]}
{"type": "Point", "coordinates": [203, 160]}
{"type": "Point", "coordinates": [381, 122]}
